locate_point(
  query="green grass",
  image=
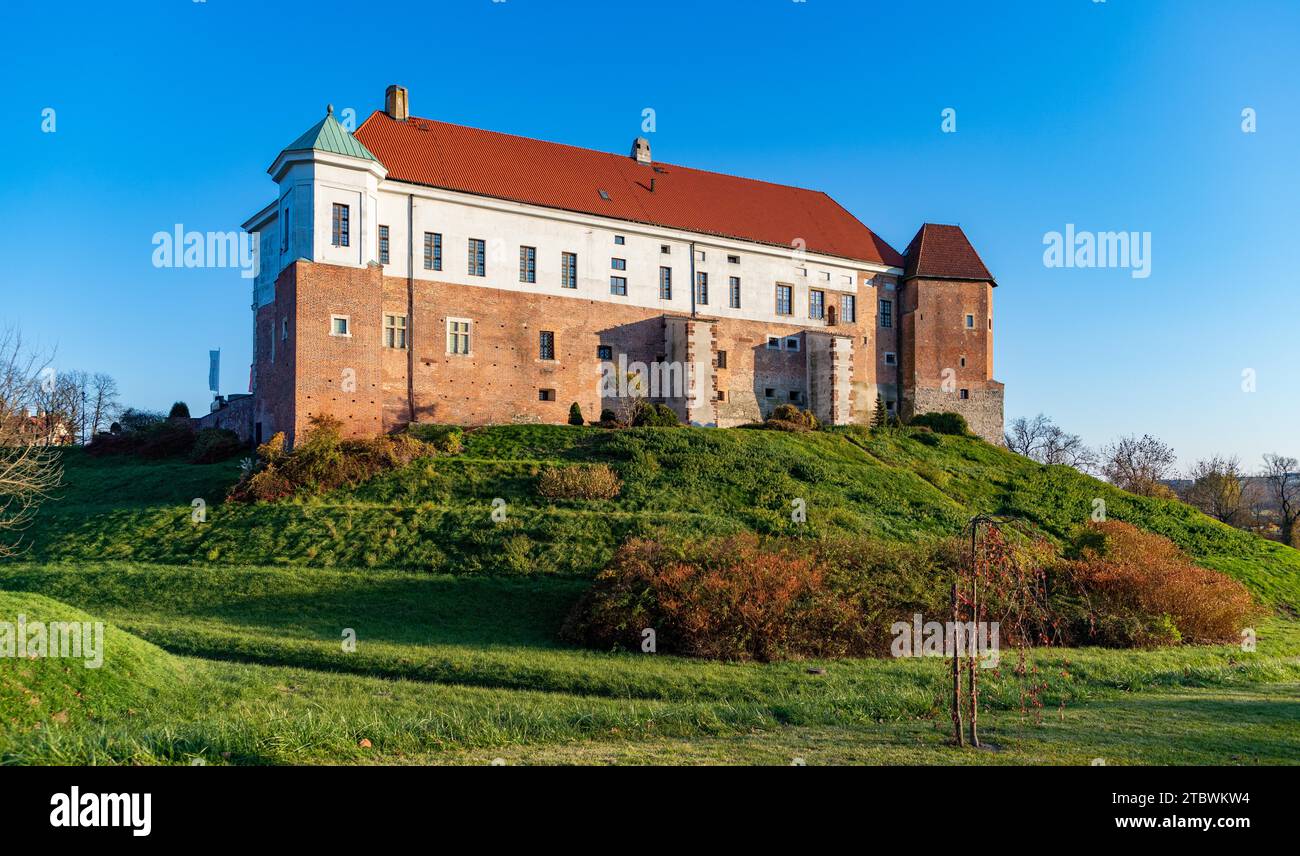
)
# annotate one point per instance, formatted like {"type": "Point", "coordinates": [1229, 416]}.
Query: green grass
{"type": "Point", "coordinates": [435, 515]}
{"type": "Point", "coordinates": [225, 637]}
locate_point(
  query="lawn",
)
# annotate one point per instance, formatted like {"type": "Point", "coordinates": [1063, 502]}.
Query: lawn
{"type": "Point", "coordinates": [226, 639]}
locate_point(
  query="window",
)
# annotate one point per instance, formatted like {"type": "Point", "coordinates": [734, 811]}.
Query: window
{"type": "Point", "coordinates": [722, 395]}
{"type": "Point", "coordinates": [792, 344]}
{"type": "Point", "coordinates": [618, 239]}
{"type": "Point", "coordinates": [284, 329]}
{"type": "Point", "coordinates": [458, 336]}
{"type": "Point", "coordinates": [701, 255]}
{"type": "Point", "coordinates": [891, 359]}
{"type": "Point", "coordinates": [795, 395]}
{"type": "Point", "coordinates": [433, 251]}
{"type": "Point", "coordinates": [702, 288]}
{"type": "Point", "coordinates": [816, 304]}
{"type": "Point", "coordinates": [568, 270]}
{"type": "Point", "coordinates": [665, 283]}
{"type": "Point", "coordinates": [603, 195]}
{"type": "Point", "coordinates": [769, 393]}
{"type": "Point", "coordinates": [284, 232]}
{"type": "Point", "coordinates": [618, 264]}
{"type": "Point", "coordinates": [477, 257]}
{"type": "Point", "coordinates": [773, 343]}
{"type": "Point", "coordinates": [618, 285]}
{"type": "Point", "coordinates": [340, 229]}
{"type": "Point", "coordinates": [604, 352]}
{"type": "Point", "coordinates": [546, 345]}
{"type": "Point", "coordinates": [733, 289]}
{"type": "Point", "coordinates": [734, 260]}
{"type": "Point", "coordinates": [394, 331]}
{"type": "Point", "coordinates": [383, 245]}
{"type": "Point", "coordinates": [965, 394]}
{"type": "Point", "coordinates": [848, 308]}
{"type": "Point", "coordinates": [721, 360]}
{"type": "Point", "coordinates": [528, 264]}
{"type": "Point", "coordinates": [963, 362]}
{"type": "Point", "coordinates": [825, 276]}
{"type": "Point", "coordinates": [339, 325]}
{"type": "Point", "coordinates": [970, 322]}
{"type": "Point", "coordinates": [784, 300]}
{"type": "Point", "coordinates": [665, 249]}
{"type": "Point", "coordinates": [886, 313]}
{"type": "Point", "coordinates": [545, 395]}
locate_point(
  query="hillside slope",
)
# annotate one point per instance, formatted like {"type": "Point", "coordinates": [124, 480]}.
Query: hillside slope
{"type": "Point", "coordinates": [436, 514]}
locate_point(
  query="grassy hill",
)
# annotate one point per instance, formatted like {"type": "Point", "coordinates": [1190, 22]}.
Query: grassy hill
{"type": "Point", "coordinates": [435, 515]}
{"type": "Point", "coordinates": [455, 616]}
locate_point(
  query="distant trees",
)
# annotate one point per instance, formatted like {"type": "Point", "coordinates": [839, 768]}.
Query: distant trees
{"type": "Point", "coordinates": [1046, 442]}
{"type": "Point", "coordinates": [1281, 477]}
{"type": "Point", "coordinates": [1139, 465]}
{"type": "Point", "coordinates": [1218, 489]}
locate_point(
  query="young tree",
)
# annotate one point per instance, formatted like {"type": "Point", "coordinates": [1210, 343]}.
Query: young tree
{"type": "Point", "coordinates": [575, 414]}
{"type": "Point", "coordinates": [1282, 477]}
{"type": "Point", "coordinates": [1139, 465]}
{"type": "Point", "coordinates": [880, 417]}
{"type": "Point", "coordinates": [1217, 489]}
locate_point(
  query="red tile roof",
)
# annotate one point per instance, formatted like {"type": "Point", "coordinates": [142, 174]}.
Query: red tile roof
{"type": "Point", "coordinates": [553, 175]}
{"type": "Point", "coordinates": [944, 252]}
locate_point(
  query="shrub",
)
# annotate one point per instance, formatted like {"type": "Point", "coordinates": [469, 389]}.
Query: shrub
{"type": "Point", "coordinates": [647, 415]}
{"type": "Point", "coordinates": [1125, 587]}
{"type": "Point", "coordinates": [941, 423]}
{"type": "Point", "coordinates": [585, 481]}
{"type": "Point", "coordinates": [608, 418]}
{"type": "Point", "coordinates": [728, 599]}
{"type": "Point", "coordinates": [180, 410]}
{"type": "Point", "coordinates": [324, 461]}
{"type": "Point", "coordinates": [215, 444]}
{"type": "Point", "coordinates": [131, 420]}
{"type": "Point", "coordinates": [787, 417]}
{"type": "Point", "coordinates": [925, 436]}
{"type": "Point", "coordinates": [575, 414]}
{"type": "Point", "coordinates": [445, 439]}
{"type": "Point", "coordinates": [164, 440]}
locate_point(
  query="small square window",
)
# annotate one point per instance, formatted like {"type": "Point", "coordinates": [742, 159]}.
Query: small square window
{"type": "Point", "coordinates": [604, 195]}
{"type": "Point", "coordinates": [618, 264]}
{"type": "Point", "coordinates": [618, 285]}
{"type": "Point", "coordinates": [545, 395]}
{"type": "Point", "coordinates": [794, 395]}
{"type": "Point", "coordinates": [792, 344]}
{"type": "Point", "coordinates": [891, 359]}
{"type": "Point", "coordinates": [769, 393]}
{"type": "Point", "coordinates": [722, 395]}
{"type": "Point", "coordinates": [773, 343]}
{"type": "Point", "coordinates": [618, 239]}
{"type": "Point", "coordinates": [734, 260]}
{"type": "Point", "coordinates": [665, 249]}
{"type": "Point", "coordinates": [965, 394]}
{"type": "Point", "coordinates": [339, 325]}
{"type": "Point", "coordinates": [604, 352]}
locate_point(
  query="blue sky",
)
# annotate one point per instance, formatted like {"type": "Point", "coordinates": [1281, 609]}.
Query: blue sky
{"type": "Point", "coordinates": [1123, 115]}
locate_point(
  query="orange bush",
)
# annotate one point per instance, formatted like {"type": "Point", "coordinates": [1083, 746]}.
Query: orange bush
{"type": "Point", "coordinates": [728, 599]}
{"type": "Point", "coordinates": [1133, 588]}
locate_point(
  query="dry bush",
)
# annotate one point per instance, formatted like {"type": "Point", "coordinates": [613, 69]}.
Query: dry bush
{"type": "Point", "coordinates": [589, 481]}
{"type": "Point", "coordinates": [1132, 588]}
{"type": "Point", "coordinates": [728, 599]}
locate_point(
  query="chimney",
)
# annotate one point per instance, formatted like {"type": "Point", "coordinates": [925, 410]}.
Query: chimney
{"type": "Point", "coordinates": [395, 103]}
{"type": "Point", "coordinates": [641, 150]}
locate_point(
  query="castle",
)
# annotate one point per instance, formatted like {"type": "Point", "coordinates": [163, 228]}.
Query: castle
{"type": "Point", "coordinates": [417, 271]}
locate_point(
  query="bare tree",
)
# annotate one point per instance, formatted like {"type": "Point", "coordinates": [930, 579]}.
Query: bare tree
{"type": "Point", "coordinates": [1217, 489]}
{"type": "Point", "coordinates": [1282, 476]}
{"type": "Point", "coordinates": [1139, 465]}
{"type": "Point", "coordinates": [29, 472]}
{"type": "Point", "coordinates": [1046, 442]}
{"type": "Point", "coordinates": [103, 404]}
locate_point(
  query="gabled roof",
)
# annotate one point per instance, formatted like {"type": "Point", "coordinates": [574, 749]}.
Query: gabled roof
{"type": "Point", "coordinates": [553, 175]}
{"type": "Point", "coordinates": [944, 252]}
{"type": "Point", "coordinates": [328, 135]}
